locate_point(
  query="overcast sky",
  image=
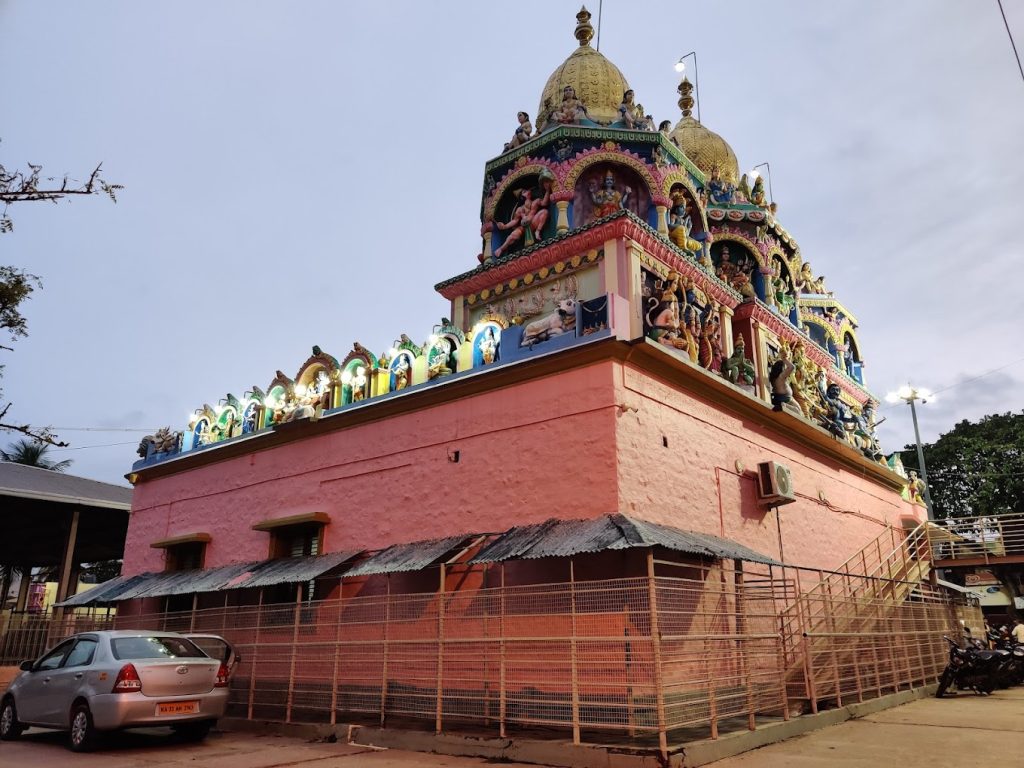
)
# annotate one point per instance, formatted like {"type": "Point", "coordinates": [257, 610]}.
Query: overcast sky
{"type": "Point", "coordinates": [303, 173]}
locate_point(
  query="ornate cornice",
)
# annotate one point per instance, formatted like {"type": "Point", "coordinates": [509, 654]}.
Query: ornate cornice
{"type": "Point", "coordinates": [619, 224]}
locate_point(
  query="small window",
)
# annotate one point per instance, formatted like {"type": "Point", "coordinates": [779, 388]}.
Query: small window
{"type": "Point", "coordinates": [82, 654]}
{"type": "Point", "coordinates": [296, 541]}
{"type": "Point", "coordinates": [185, 557]}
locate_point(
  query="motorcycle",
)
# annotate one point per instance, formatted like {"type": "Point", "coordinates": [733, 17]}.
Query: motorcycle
{"type": "Point", "coordinates": [970, 668]}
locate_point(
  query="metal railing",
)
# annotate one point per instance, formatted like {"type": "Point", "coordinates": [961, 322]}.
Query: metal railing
{"type": "Point", "coordinates": [977, 540]}
{"type": "Point", "coordinates": [660, 657]}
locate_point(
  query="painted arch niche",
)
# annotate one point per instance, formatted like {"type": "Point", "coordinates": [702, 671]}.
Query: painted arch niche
{"type": "Point", "coordinates": [779, 291]}
{"type": "Point", "coordinates": [736, 265]}
{"type": "Point", "coordinates": [355, 379]}
{"type": "Point", "coordinates": [852, 362]}
{"type": "Point", "coordinates": [486, 342]}
{"type": "Point", "coordinates": [524, 214]}
{"type": "Point", "coordinates": [685, 224]}
{"type": "Point", "coordinates": [606, 187]}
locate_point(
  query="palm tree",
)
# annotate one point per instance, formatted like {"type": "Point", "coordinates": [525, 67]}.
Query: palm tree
{"type": "Point", "coordinates": [33, 454]}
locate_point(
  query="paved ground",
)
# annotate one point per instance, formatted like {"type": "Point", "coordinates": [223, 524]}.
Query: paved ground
{"type": "Point", "coordinates": [953, 732]}
{"type": "Point", "coordinates": [937, 733]}
{"type": "Point", "coordinates": [156, 749]}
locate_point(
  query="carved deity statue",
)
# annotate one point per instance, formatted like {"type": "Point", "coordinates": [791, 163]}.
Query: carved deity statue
{"type": "Point", "coordinates": [489, 345]}
{"type": "Point", "coordinates": [778, 377]}
{"type": "Point", "coordinates": [628, 112]}
{"type": "Point", "coordinates": [401, 371]}
{"type": "Point", "coordinates": [736, 274]}
{"type": "Point", "coordinates": [807, 282]}
{"type": "Point", "coordinates": [736, 367]}
{"type": "Point", "coordinates": [782, 294]}
{"type": "Point", "coordinates": [836, 417]}
{"type": "Point", "coordinates": [518, 225]}
{"type": "Point", "coordinates": [162, 441]}
{"type": "Point", "coordinates": [680, 224]}
{"type": "Point", "coordinates": [571, 110]}
{"type": "Point", "coordinates": [806, 390]}
{"type": "Point", "coordinates": [757, 193]}
{"type": "Point", "coordinates": [607, 199]}
{"type": "Point", "coordinates": [915, 488]}
{"type": "Point", "coordinates": [719, 190]}
{"type": "Point", "coordinates": [359, 385]}
{"type": "Point", "coordinates": [523, 132]}
{"type": "Point", "coordinates": [641, 121]}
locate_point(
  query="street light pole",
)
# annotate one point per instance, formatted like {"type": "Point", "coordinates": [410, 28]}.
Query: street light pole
{"type": "Point", "coordinates": [910, 395]}
{"type": "Point", "coordinates": [920, 462]}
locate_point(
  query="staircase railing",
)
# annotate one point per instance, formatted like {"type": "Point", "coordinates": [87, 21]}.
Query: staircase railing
{"type": "Point", "coordinates": [847, 604]}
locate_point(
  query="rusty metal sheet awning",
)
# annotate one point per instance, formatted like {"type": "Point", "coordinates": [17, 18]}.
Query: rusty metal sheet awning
{"type": "Point", "coordinates": [262, 573]}
{"type": "Point", "coordinates": [106, 592]}
{"type": "Point", "coordinates": [564, 538]}
{"type": "Point", "coordinates": [410, 557]}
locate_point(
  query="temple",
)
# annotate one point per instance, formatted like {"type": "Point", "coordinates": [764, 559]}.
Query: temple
{"type": "Point", "coordinates": [641, 376]}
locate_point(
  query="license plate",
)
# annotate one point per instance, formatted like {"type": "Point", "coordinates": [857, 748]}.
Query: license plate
{"type": "Point", "coordinates": [177, 708]}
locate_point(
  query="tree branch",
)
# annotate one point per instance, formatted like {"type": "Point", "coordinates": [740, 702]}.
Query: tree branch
{"type": "Point", "coordinates": [42, 435]}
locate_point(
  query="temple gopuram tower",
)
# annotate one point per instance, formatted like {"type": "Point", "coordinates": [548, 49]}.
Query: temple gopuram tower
{"type": "Point", "coordinates": [640, 336]}
{"type": "Point", "coordinates": [628, 485]}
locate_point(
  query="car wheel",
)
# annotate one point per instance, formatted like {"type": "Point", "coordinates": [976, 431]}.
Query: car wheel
{"type": "Point", "coordinates": [83, 732]}
{"type": "Point", "coordinates": [10, 728]}
{"type": "Point", "coordinates": [194, 731]}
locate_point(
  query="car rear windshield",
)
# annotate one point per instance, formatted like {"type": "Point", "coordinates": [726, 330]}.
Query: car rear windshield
{"type": "Point", "coordinates": [154, 647]}
{"type": "Point", "coordinates": [214, 647]}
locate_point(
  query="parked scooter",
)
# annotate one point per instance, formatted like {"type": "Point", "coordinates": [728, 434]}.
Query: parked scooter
{"type": "Point", "coordinates": [970, 669]}
{"type": "Point", "coordinates": [1012, 664]}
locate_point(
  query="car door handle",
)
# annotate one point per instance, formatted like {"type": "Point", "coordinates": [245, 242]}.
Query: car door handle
{"type": "Point", "coordinates": [46, 679]}
{"type": "Point", "coordinates": [78, 676]}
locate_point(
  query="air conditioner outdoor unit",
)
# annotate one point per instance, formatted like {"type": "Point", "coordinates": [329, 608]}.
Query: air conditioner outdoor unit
{"type": "Point", "coordinates": [774, 484]}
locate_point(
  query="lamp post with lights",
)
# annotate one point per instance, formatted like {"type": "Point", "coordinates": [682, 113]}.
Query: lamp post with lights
{"type": "Point", "coordinates": [911, 395]}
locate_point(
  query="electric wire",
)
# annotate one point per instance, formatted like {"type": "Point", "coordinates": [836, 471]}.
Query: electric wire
{"type": "Point", "coordinates": [1016, 55]}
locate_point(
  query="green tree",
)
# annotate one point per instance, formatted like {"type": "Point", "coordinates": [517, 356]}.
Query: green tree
{"type": "Point", "coordinates": [33, 453]}
{"type": "Point", "coordinates": [977, 470]}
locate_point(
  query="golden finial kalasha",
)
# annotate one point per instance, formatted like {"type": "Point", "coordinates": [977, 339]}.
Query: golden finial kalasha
{"type": "Point", "coordinates": [685, 90]}
{"type": "Point", "coordinates": [584, 30]}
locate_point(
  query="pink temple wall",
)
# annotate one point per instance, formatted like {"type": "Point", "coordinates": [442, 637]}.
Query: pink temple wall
{"type": "Point", "coordinates": [694, 484]}
{"type": "Point", "coordinates": [556, 446]}
{"type": "Point", "coordinates": [539, 449]}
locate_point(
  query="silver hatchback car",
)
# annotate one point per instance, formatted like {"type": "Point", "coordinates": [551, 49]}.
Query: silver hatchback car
{"type": "Point", "coordinates": [103, 681]}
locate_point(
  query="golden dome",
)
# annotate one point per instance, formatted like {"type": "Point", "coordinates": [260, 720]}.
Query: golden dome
{"type": "Point", "coordinates": [599, 84]}
{"type": "Point", "coordinates": [706, 149]}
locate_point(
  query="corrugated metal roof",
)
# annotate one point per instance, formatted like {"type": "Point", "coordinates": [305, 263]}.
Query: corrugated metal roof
{"type": "Point", "coordinates": [409, 557]}
{"type": "Point", "coordinates": [47, 485]}
{"type": "Point", "coordinates": [107, 591]}
{"type": "Point", "coordinates": [262, 573]}
{"type": "Point", "coordinates": [564, 538]}
{"type": "Point", "coordinates": [295, 569]}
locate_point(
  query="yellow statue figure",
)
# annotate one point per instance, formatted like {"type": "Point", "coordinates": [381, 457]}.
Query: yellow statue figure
{"type": "Point", "coordinates": [607, 199]}
{"type": "Point", "coordinates": [680, 224]}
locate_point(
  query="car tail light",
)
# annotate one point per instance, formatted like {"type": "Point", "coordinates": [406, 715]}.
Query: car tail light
{"type": "Point", "coordinates": [127, 680]}
{"type": "Point", "coordinates": [222, 676]}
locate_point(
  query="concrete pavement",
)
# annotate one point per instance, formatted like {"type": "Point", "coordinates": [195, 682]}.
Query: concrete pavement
{"type": "Point", "coordinates": [157, 749]}
{"type": "Point", "coordinates": [937, 733]}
